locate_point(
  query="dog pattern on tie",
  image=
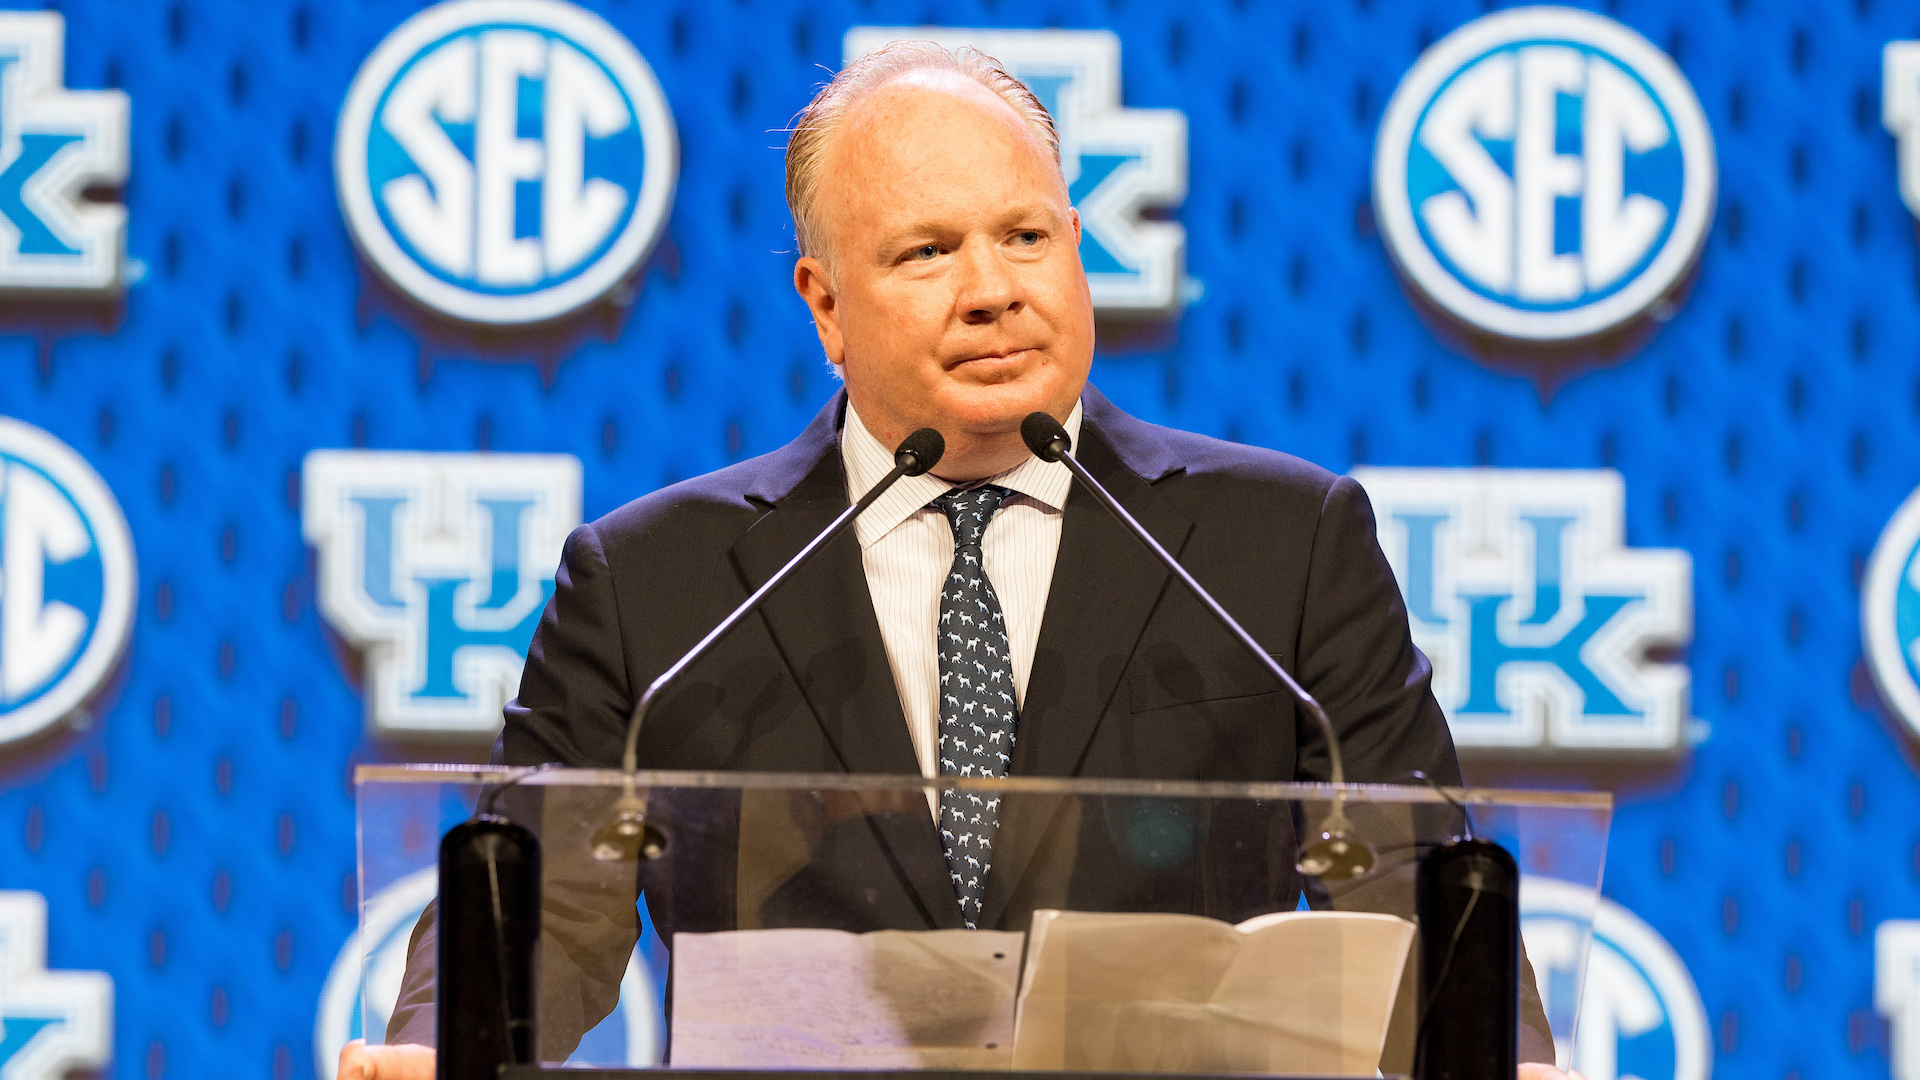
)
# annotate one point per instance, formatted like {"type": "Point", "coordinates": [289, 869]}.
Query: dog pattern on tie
{"type": "Point", "coordinates": [977, 709]}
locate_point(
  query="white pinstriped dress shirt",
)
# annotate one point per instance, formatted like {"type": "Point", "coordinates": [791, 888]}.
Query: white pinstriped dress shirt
{"type": "Point", "coordinates": [907, 549]}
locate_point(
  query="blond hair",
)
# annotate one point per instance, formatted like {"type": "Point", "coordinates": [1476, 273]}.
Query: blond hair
{"type": "Point", "coordinates": [814, 127]}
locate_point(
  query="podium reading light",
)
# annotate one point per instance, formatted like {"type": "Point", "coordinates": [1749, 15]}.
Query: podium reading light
{"type": "Point", "coordinates": [1331, 853]}
{"type": "Point", "coordinates": [629, 837]}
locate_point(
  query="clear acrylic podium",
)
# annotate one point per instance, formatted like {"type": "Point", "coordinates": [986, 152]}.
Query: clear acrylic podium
{"type": "Point", "coordinates": [808, 922]}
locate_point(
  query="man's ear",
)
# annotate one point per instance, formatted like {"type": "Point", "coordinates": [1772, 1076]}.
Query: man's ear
{"type": "Point", "coordinates": [1073, 214]}
{"type": "Point", "coordinates": [810, 280]}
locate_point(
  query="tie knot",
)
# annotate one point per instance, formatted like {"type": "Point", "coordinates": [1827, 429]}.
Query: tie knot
{"type": "Point", "coordinates": [969, 509]}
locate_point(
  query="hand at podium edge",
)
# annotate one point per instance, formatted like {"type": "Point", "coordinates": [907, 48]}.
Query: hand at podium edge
{"type": "Point", "coordinates": [358, 1061]}
{"type": "Point", "coordinates": [1529, 1070]}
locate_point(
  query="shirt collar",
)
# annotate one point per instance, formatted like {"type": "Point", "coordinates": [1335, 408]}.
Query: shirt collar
{"type": "Point", "coordinates": [868, 462]}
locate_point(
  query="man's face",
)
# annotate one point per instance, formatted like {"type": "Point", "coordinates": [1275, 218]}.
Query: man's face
{"type": "Point", "coordinates": [954, 297]}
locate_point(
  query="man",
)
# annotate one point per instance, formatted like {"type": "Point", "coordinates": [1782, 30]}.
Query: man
{"type": "Point", "coordinates": [940, 261]}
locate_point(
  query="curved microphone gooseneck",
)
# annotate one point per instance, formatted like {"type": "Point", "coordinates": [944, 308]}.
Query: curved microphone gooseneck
{"type": "Point", "coordinates": [1332, 853]}
{"type": "Point", "coordinates": [628, 837]}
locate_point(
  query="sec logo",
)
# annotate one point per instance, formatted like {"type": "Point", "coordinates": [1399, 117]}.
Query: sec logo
{"type": "Point", "coordinates": [1544, 174]}
{"type": "Point", "coordinates": [505, 161]}
{"type": "Point", "coordinates": [1890, 612]}
{"type": "Point", "coordinates": [66, 580]}
{"type": "Point", "coordinates": [1637, 1013]}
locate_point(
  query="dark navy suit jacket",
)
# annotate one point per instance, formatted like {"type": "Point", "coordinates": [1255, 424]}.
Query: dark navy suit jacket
{"type": "Point", "coordinates": [1131, 676]}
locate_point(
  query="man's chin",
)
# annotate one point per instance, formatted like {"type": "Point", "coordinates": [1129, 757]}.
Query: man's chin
{"type": "Point", "coordinates": [998, 408]}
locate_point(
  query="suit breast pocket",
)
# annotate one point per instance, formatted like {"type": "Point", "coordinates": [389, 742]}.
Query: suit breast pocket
{"type": "Point", "coordinates": [1179, 682]}
{"type": "Point", "coordinates": [1224, 722]}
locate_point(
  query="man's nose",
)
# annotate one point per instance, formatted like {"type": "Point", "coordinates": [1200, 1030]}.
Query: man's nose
{"type": "Point", "coordinates": [989, 288]}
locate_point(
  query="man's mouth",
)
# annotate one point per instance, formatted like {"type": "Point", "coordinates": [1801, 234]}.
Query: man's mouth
{"type": "Point", "coordinates": [994, 359]}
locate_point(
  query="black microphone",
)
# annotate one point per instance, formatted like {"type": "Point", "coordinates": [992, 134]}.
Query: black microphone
{"type": "Point", "coordinates": [1469, 1024]}
{"type": "Point", "coordinates": [489, 922]}
{"type": "Point", "coordinates": [628, 836]}
{"type": "Point", "coordinates": [1332, 853]}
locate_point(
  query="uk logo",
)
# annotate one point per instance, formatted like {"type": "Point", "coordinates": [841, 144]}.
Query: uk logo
{"type": "Point", "coordinates": [1544, 174]}
{"type": "Point", "coordinates": [438, 567]}
{"type": "Point", "coordinates": [1637, 1012]}
{"type": "Point", "coordinates": [56, 143]}
{"type": "Point", "coordinates": [1890, 612]}
{"type": "Point", "coordinates": [505, 161]}
{"type": "Point", "coordinates": [51, 1022]}
{"type": "Point", "coordinates": [1118, 161]}
{"type": "Point", "coordinates": [1900, 111]}
{"type": "Point", "coordinates": [1896, 992]}
{"type": "Point", "coordinates": [66, 581]}
{"type": "Point", "coordinates": [1538, 619]}
{"type": "Point", "coordinates": [363, 987]}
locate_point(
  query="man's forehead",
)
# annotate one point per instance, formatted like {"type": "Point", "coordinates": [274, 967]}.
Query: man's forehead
{"type": "Point", "coordinates": [930, 144]}
{"type": "Point", "coordinates": [931, 88]}
{"type": "Point", "coordinates": [931, 105]}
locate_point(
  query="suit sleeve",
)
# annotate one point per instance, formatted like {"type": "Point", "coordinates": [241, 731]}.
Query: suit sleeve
{"type": "Point", "coordinates": [589, 925]}
{"type": "Point", "coordinates": [575, 691]}
{"type": "Point", "coordinates": [1358, 658]}
{"type": "Point", "coordinates": [572, 709]}
{"type": "Point", "coordinates": [413, 1019]}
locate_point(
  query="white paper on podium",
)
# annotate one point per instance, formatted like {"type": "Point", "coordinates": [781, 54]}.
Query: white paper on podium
{"type": "Point", "coordinates": [768, 999]}
{"type": "Point", "coordinates": [1294, 992]}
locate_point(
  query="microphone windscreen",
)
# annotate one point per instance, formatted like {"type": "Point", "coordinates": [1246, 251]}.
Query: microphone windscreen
{"type": "Point", "coordinates": [1045, 437]}
{"type": "Point", "coordinates": [919, 452]}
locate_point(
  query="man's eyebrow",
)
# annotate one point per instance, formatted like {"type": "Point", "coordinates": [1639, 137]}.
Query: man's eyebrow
{"type": "Point", "coordinates": [897, 239]}
{"type": "Point", "coordinates": [1025, 212]}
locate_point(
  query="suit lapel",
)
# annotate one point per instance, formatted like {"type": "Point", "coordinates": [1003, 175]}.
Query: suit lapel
{"type": "Point", "coordinates": [1105, 587]}
{"type": "Point", "coordinates": [823, 624]}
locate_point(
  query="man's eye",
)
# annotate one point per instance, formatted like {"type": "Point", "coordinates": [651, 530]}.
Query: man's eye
{"type": "Point", "coordinates": [926, 251]}
{"type": "Point", "coordinates": [1029, 238]}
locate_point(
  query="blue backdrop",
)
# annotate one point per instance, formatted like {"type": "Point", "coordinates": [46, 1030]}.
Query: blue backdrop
{"type": "Point", "coordinates": [194, 840]}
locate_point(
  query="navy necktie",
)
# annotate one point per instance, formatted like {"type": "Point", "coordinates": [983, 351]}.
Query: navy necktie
{"type": "Point", "coordinates": [977, 714]}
